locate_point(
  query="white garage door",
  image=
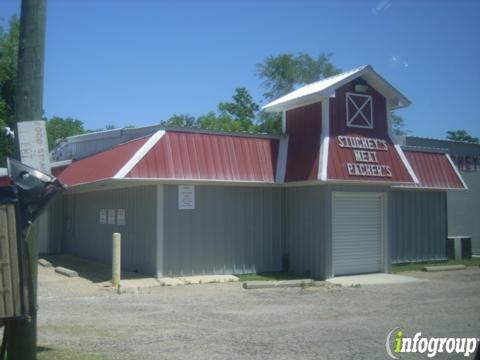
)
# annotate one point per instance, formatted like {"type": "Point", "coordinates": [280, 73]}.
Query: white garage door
{"type": "Point", "coordinates": [357, 233]}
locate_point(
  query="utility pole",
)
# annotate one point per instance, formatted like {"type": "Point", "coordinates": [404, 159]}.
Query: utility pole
{"type": "Point", "coordinates": [22, 334]}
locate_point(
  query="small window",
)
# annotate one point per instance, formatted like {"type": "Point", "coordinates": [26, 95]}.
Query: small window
{"type": "Point", "coordinates": [359, 111]}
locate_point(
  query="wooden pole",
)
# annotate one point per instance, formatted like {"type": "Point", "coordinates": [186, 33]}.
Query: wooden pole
{"type": "Point", "coordinates": [22, 335]}
{"type": "Point", "coordinates": [116, 259]}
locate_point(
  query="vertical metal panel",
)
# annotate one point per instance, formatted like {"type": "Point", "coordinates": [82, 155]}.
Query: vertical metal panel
{"type": "Point", "coordinates": [303, 126]}
{"type": "Point", "coordinates": [306, 230]}
{"type": "Point", "coordinates": [86, 237]}
{"type": "Point", "coordinates": [463, 210]}
{"type": "Point", "coordinates": [231, 230]}
{"type": "Point", "coordinates": [417, 226]}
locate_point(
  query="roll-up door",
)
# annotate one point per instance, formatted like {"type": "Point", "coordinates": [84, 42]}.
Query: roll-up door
{"type": "Point", "coordinates": [357, 233]}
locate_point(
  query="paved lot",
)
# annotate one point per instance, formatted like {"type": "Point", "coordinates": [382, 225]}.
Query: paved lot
{"type": "Point", "coordinates": [224, 321]}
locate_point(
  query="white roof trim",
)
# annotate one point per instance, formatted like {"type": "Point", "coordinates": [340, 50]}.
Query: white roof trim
{"type": "Point", "coordinates": [282, 160]}
{"type": "Point", "coordinates": [60, 163]}
{"type": "Point", "coordinates": [139, 154]}
{"type": "Point", "coordinates": [456, 171]}
{"type": "Point", "coordinates": [323, 88]}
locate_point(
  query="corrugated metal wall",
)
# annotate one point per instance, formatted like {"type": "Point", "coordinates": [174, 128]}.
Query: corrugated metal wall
{"type": "Point", "coordinates": [86, 237]}
{"type": "Point", "coordinates": [418, 226]}
{"type": "Point", "coordinates": [464, 210]}
{"type": "Point", "coordinates": [306, 229]}
{"type": "Point", "coordinates": [231, 230]}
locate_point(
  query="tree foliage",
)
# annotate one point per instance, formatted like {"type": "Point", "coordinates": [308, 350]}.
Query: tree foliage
{"type": "Point", "coordinates": [281, 74]}
{"type": "Point", "coordinates": [237, 115]}
{"type": "Point", "coordinates": [8, 70]}
{"type": "Point", "coordinates": [462, 135]}
{"type": "Point", "coordinates": [59, 128]}
{"type": "Point", "coordinates": [398, 125]}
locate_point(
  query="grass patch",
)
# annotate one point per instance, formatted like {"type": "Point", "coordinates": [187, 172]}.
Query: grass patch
{"type": "Point", "coordinates": [418, 266]}
{"type": "Point", "coordinates": [48, 353]}
{"type": "Point", "coordinates": [269, 277]}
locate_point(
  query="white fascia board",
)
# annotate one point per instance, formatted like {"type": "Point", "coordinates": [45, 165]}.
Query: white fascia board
{"type": "Point", "coordinates": [398, 148]}
{"type": "Point", "coordinates": [324, 141]}
{"type": "Point", "coordinates": [456, 171]}
{"type": "Point", "coordinates": [60, 163]}
{"type": "Point", "coordinates": [139, 154]}
{"type": "Point", "coordinates": [282, 160]}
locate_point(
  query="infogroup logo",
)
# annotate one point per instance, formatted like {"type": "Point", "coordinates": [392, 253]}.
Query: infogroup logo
{"type": "Point", "coordinates": [397, 343]}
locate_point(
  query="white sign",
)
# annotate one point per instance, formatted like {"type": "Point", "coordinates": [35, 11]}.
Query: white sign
{"type": "Point", "coordinates": [186, 197]}
{"type": "Point", "coordinates": [120, 216]}
{"type": "Point", "coordinates": [111, 216]}
{"type": "Point", "coordinates": [32, 139]}
{"type": "Point", "coordinates": [103, 216]}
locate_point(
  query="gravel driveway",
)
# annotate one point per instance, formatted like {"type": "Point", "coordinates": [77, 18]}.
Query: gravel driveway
{"type": "Point", "coordinates": [224, 321]}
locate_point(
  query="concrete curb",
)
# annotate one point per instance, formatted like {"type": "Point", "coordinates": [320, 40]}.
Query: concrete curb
{"type": "Point", "coordinates": [278, 284]}
{"type": "Point", "coordinates": [444, 268]}
{"type": "Point", "coordinates": [66, 272]}
{"type": "Point", "coordinates": [45, 263]}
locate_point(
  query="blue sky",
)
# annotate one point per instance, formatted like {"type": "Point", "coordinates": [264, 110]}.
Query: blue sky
{"type": "Point", "coordinates": [138, 62]}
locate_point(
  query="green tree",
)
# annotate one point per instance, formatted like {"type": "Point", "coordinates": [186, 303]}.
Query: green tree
{"type": "Point", "coordinates": [60, 128]}
{"type": "Point", "coordinates": [461, 135]}
{"type": "Point", "coordinates": [282, 73]}
{"type": "Point", "coordinates": [398, 125]}
{"type": "Point", "coordinates": [180, 121]}
{"type": "Point", "coordinates": [8, 70]}
{"type": "Point", "coordinates": [241, 110]}
{"type": "Point", "coordinates": [269, 123]}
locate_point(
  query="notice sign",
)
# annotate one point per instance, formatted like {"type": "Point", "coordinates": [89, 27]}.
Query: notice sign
{"type": "Point", "coordinates": [103, 216]}
{"type": "Point", "coordinates": [111, 216]}
{"type": "Point", "coordinates": [365, 154]}
{"type": "Point", "coordinates": [186, 197]}
{"type": "Point", "coordinates": [32, 139]}
{"type": "Point", "coordinates": [120, 216]}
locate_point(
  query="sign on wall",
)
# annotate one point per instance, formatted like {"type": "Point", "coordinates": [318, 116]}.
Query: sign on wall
{"type": "Point", "coordinates": [111, 216]}
{"type": "Point", "coordinates": [365, 151]}
{"type": "Point", "coordinates": [32, 139]}
{"type": "Point", "coordinates": [120, 216]}
{"type": "Point", "coordinates": [103, 216]}
{"type": "Point", "coordinates": [186, 197]}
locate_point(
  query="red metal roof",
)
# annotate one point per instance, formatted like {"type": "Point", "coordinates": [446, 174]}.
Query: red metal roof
{"type": "Point", "coordinates": [434, 170]}
{"type": "Point", "coordinates": [203, 156]}
{"type": "Point", "coordinates": [183, 155]}
{"type": "Point", "coordinates": [100, 166]}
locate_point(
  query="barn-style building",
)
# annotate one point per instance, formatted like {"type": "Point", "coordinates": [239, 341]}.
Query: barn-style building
{"type": "Point", "coordinates": [335, 194]}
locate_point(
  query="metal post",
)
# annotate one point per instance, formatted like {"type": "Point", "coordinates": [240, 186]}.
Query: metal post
{"type": "Point", "coordinates": [116, 259]}
{"type": "Point", "coordinates": [22, 335]}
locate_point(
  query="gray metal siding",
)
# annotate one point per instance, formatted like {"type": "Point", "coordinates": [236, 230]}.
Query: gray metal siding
{"type": "Point", "coordinates": [464, 210]}
{"type": "Point", "coordinates": [418, 226]}
{"type": "Point", "coordinates": [231, 230]}
{"type": "Point", "coordinates": [306, 230]}
{"type": "Point", "coordinates": [86, 237]}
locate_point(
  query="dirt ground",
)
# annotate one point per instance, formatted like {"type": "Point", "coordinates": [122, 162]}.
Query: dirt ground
{"type": "Point", "coordinates": [224, 321]}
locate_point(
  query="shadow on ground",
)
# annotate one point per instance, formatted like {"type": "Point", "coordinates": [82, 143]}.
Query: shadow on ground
{"type": "Point", "coordinates": [94, 271]}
